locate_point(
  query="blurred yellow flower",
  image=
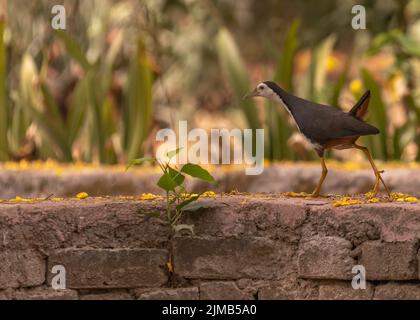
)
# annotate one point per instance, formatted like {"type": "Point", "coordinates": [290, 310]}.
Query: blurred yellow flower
{"type": "Point", "coordinates": [82, 195]}
{"type": "Point", "coordinates": [148, 196]}
{"type": "Point", "coordinates": [369, 194]}
{"type": "Point", "coordinates": [210, 194]}
{"type": "Point", "coordinates": [20, 199]}
{"type": "Point", "coordinates": [332, 63]}
{"type": "Point", "coordinates": [347, 201]}
{"type": "Point", "coordinates": [356, 86]}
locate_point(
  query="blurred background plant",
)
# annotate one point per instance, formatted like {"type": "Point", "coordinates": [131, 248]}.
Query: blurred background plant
{"type": "Point", "coordinates": [99, 90]}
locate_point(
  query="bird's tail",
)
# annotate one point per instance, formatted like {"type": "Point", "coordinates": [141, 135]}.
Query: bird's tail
{"type": "Point", "coordinates": [360, 109]}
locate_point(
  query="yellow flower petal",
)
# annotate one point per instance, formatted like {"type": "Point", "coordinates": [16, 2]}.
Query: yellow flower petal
{"type": "Point", "coordinates": [148, 196]}
{"type": "Point", "coordinates": [82, 195]}
{"type": "Point", "coordinates": [209, 194]}
{"type": "Point", "coordinates": [331, 63]}
{"type": "Point", "coordinates": [356, 86]}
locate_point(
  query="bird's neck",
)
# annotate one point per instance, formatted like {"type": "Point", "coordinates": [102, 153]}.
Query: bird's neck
{"type": "Point", "coordinates": [277, 96]}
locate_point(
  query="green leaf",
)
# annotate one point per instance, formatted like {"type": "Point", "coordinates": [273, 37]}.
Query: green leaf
{"type": "Point", "coordinates": [188, 201]}
{"type": "Point", "coordinates": [194, 170]}
{"type": "Point", "coordinates": [138, 115]}
{"type": "Point", "coordinates": [279, 130]}
{"type": "Point", "coordinates": [171, 179]}
{"type": "Point", "coordinates": [53, 110]}
{"type": "Point", "coordinates": [51, 130]}
{"type": "Point", "coordinates": [73, 48]}
{"type": "Point", "coordinates": [377, 117]}
{"type": "Point", "coordinates": [318, 70]}
{"type": "Point", "coordinates": [236, 73]}
{"type": "Point", "coordinates": [138, 161]}
{"type": "Point", "coordinates": [284, 70]}
{"type": "Point", "coordinates": [4, 109]}
{"type": "Point", "coordinates": [173, 153]}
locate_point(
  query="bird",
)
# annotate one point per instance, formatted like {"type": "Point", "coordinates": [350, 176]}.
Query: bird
{"type": "Point", "coordinates": [325, 127]}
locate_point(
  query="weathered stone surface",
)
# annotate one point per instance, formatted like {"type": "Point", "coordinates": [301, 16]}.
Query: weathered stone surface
{"type": "Point", "coordinates": [248, 216]}
{"type": "Point", "coordinates": [99, 182]}
{"type": "Point", "coordinates": [275, 178]}
{"type": "Point", "coordinates": [389, 260]}
{"type": "Point", "coordinates": [288, 289]}
{"type": "Point", "coordinates": [111, 268]}
{"type": "Point", "coordinates": [230, 258]}
{"type": "Point", "coordinates": [218, 290]}
{"type": "Point", "coordinates": [44, 293]}
{"type": "Point", "coordinates": [397, 291]}
{"type": "Point", "coordinates": [21, 268]}
{"type": "Point", "coordinates": [107, 295]}
{"type": "Point", "coordinates": [303, 177]}
{"type": "Point", "coordinates": [6, 294]}
{"type": "Point", "coordinates": [191, 293]}
{"type": "Point", "coordinates": [387, 221]}
{"type": "Point", "coordinates": [94, 223]}
{"type": "Point", "coordinates": [344, 291]}
{"type": "Point", "coordinates": [263, 246]}
{"type": "Point", "coordinates": [325, 258]}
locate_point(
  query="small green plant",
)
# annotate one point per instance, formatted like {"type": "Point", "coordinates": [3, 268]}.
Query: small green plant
{"type": "Point", "coordinates": [178, 200]}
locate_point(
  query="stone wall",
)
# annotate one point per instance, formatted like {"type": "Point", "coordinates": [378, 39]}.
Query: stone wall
{"type": "Point", "coordinates": [275, 178]}
{"type": "Point", "coordinates": [244, 247]}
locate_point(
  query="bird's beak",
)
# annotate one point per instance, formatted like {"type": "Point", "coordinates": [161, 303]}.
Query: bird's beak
{"type": "Point", "coordinates": [253, 93]}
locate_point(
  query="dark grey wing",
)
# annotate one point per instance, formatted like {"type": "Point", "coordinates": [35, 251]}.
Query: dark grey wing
{"type": "Point", "coordinates": [321, 123]}
{"type": "Point", "coordinates": [327, 123]}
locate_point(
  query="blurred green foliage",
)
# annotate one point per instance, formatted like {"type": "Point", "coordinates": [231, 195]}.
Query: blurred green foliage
{"type": "Point", "coordinates": [99, 90]}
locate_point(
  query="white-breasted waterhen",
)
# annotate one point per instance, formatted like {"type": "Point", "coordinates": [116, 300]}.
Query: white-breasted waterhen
{"type": "Point", "coordinates": [324, 126]}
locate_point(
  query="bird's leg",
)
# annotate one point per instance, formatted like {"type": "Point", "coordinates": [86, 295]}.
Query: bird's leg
{"type": "Point", "coordinates": [321, 179]}
{"type": "Point", "coordinates": [375, 170]}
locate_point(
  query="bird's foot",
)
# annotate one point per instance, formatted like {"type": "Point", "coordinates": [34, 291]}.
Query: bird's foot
{"type": "Point", "coordinates": [374, 192]}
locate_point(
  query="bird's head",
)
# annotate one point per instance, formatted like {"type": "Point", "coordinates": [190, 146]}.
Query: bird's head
{"type": "Point", "coordinates": [266, 89]}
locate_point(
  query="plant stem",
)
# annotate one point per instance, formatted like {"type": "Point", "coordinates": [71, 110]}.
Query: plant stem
{"type": "Point", "coordinates": [168, 209]}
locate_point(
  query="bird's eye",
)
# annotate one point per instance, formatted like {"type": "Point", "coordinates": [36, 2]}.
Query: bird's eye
{"type": "Point", "coordinates": [261, 87]}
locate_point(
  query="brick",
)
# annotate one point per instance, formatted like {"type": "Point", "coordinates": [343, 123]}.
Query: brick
{"type": "Point", "coordinates": [106, 223]}
{"type": "Point", "coordinates": [213, 258]}
{"type": "Point", "coordinates": [44, 293]}
{"type": "Point", "coordinates": [397, 291]}
{"type": "Point", "coordinates": [218, 290]}
{"type": "Point", "coordinates": [111, 268]}
{"type": "Point", "coordinates": [389, 260]}
{"type": "Point", "coordinates": [6, 294]}
{"type": "Point", "coordinates": [171, 294]}
{"type": "Point", "coordinates": [325, 258]}
{"type": "Point", "coordinates": [256, 218]}
{"type": "Point", "coordinates": [344, 291]}
{"type": "Point", "coordinates": [288, 289]}
{"type": "Point", "coordinates": [21, 268]}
